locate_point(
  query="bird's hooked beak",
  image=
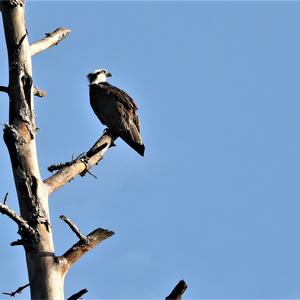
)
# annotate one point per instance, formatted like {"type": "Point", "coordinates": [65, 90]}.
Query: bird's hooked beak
{"type": "Point", "coordinates": [108, 74]}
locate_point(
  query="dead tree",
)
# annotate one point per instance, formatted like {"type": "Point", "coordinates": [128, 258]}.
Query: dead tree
{"type": "Point", "coordinates": [46, 270]}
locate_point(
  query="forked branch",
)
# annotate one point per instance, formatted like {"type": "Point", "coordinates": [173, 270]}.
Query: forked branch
{"type": "Point", "coordinates": [82, 247]}
{"type": "Point", "coordinates": [51, 39]}
{"type": "Point", "coordinates": [69, 170]}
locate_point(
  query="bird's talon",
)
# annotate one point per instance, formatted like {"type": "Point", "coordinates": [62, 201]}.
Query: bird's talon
{"type": "Point", "coordinates": [84, 160]}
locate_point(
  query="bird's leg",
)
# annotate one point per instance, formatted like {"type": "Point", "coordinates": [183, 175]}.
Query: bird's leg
{"type": "Point", "coordinates": [81, 156]}
{"type": "Point", "coordinates": [110, 132]}
{"type": "Point", "coordinates": [84, 159]}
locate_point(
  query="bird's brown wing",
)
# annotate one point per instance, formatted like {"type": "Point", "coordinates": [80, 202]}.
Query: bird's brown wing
{"type": "Point", "coordinates": [125, 99]}
{"type": "Point", "coordinates": [117, 110]}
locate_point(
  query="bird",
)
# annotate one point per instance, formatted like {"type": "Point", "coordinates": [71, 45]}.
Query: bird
{"type": "Point", "coordinates": [115, 109]}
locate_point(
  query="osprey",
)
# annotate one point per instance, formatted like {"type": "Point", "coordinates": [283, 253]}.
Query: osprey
{"type": "Point", "coordinates": [115, 109]}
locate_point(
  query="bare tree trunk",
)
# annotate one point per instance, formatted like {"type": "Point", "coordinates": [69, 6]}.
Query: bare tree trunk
{"type": "Point", "coordinates": [46, 280]}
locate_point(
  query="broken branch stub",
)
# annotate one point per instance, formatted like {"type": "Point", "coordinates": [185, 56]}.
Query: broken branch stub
{"type": "Point", "coordinates": [51, 39]}
{"type": "Point", "coordinates": [178, 291]}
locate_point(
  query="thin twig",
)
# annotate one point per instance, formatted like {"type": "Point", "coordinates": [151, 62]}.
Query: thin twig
{"type": "Point", "coordinates": [5, 198]}
{"type": "Point", "coordinates": [17, 291]}
{"type": "Point", "coordinates": [78, 295]}
{"type": "Point", "coordinates": [89, 172]}
{"type": "Point", "coordinates": [178, 291]}
{"type": "Point", "coordinates": [59, 166]}
{"type": "Point", "coordinates": [74, 228]}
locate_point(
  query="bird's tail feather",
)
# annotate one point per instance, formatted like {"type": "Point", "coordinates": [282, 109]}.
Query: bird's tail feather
{"type": "Point", "coordinates": [138, 147]}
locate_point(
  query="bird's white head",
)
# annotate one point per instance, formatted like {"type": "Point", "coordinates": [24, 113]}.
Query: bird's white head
{"type": "Point", "coordinates": [98, 76]}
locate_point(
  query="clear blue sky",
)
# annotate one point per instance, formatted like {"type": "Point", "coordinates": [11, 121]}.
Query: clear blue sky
{"type": "Point", "coordinates": [216, 199]}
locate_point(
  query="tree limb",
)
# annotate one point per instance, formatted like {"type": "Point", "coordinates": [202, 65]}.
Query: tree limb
{"type": "Point", "coordinates": [17, 291]}
{"type": "Point", "coordinates": [37, 92]}
{"type": "Point", "coordinates": [74, 228]}
{"type": "Point", "coordinates": [80, 248]}
{"type": "Point", "coordinates": [178, 291]}
{"type": "Point", "coordinates": [70, 170]}
{"type": "Point", "coordinates": [78, 295]}
{"type": "Point", "coordinates": [51, 39]}
{"type": "Point", "coordinates": [5, 198]}
{"type": "Point", "coordinates": [4, 89]}
{"type": "Point", "coordinates": [24, 226]}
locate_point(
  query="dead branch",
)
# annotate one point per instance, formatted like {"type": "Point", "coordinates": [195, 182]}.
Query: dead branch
{"type": "Point", "coordinates": [75, 229]}
{"type": "Point", "coordinates": [69, 170]}
{"type": "Point", "coordinates": [17, 243]}
{"type": "Point", "coordinates": [24, 226]}
{"type": "Point", "coordinates": [178, 291]}
{"type": "Point", "coordinates": [36, 91]}
{"type": "Point", "coordinates": [78, 295]}
{"type": "Point", "coordinates": [39, 93]}
{"type": "Point", "coordinates": [51, 39]}
{"type": "Point", "coordinates": [80, 248]}
{"type": "Point", "coordinates": [17, 291]}
{"type": "Point", "coordinates": [4, 89]}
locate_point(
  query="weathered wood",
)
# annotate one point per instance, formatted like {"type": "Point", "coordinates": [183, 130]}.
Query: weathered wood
{"type": "Point", "coordinates": [51, 39]}
{"type": "Point", "coordinates": [36, 91]}
{"type": "Point", "coordinates": [70, 170]}
{"type": "Point", "coordinates": [74, 228]}
{"type": "Point", "coordinates": [80, 248]}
